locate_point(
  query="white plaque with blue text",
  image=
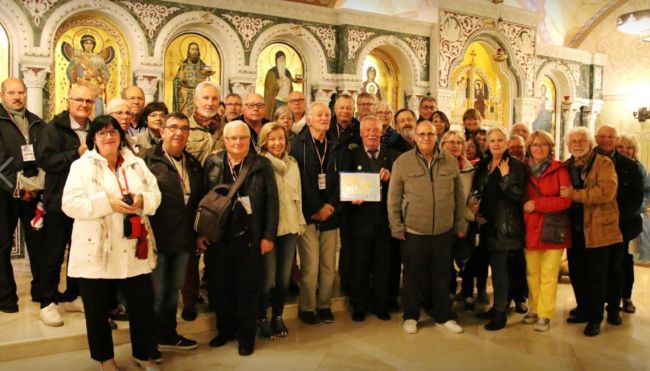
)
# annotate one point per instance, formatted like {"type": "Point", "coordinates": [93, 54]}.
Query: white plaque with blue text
{"type": "Point", "coordinates": [360, 187]}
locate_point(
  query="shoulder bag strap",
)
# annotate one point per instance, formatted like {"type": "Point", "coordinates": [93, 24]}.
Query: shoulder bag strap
{"type": "Point", "coordinates": [246, 166]}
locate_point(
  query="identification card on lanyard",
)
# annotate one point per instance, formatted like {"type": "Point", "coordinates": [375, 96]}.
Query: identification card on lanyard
{"type": "Point", "coordinates": [322, 183]}
{"type": "Point", "coordinates": [28, 152]}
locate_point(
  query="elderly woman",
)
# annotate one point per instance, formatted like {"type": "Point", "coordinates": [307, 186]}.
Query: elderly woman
{"type": "Point", "coordinates": [273, 143]}
{"type": "Point", "coordinates": [109, 193]}
{"type": "Point", "coordinates": [120, 109]}
{"type": "Point", "coordinates": [441, 123]}
{"type": "Point", "coordinates": [453, 142]}
{"type": "Point", "coordinates": [627, 146]}
{"type": "Point", "coordinates": [594, 226]}
{"type": "Point", "coordinates": [283, 117]}
{"type": "Point", "coordinates": [499, 181]}
{"type": "Point", "coordinates": [543, 255]}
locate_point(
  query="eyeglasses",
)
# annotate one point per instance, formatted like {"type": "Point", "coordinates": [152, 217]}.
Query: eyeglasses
{"type": "Point", "coordinates": [456, 142]}
{"type": "Point", "coordinates": [122, 113]}
{"type": "Point", "coordinates": [82, 101]}
{"type": "Point", "coordinates": [298, 100]}
{"type": "Point", "coordinates": [175, 128]}
{"type": "Point", "coordinates": [135, 98]}
{"type": "Point", "coordinates": [365, 104]}
{"type": "Point", "coordinates": [427, 135]}
{"type": "Point", "coordinates": [539, 145]}
{"type": "Point", "coordinates": [233, 104]}
{"type": "Point", "coordinates": [428, 107]}
{"type": "Point", "coordinates": [241, 138]}
{"type": "Point", "coordinates": [105, 133]}
{"type": "Point", "coordinates": [254, 105]}
{"type": "Point", "coordinates": [384, 112]}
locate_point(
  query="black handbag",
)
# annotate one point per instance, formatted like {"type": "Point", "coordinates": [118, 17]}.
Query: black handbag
{"type": "Point", "coordinates": [554, 225]}
{"type": "Point", "coordinates": [214, 210]}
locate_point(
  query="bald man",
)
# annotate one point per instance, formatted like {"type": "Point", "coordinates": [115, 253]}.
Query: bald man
{"type": "Point", "coordinates": [629, 197]}
{"type": "Point", "coordinates": [63, 140]}
{"type": "Point", "coordinates": [135, 97]}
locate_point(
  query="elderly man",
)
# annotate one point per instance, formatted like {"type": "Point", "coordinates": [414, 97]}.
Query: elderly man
{"type": "Point", "coordinates": [320, 158]}
{"type": "Point", "coordinates": [233, 107]}
{"type": "Point", "coordinates": [629, 196]}
{"type": "Point", "coordinates": [205, 124]}
{"type": "Point", "coordinates": [297, 105]}
{"type": "Point", "coordinates": [520, 129]}
{"type": "Point", "coordinates": [253, 114]}
{"type": "Point", "coordinates": [426, 207]}
{"type": "Point", "coordinates": [517, 147]}
{"type": "Point", "coordinates": [428, 106]}
{"type": "Point", "coordinates": [344, 127]}
{"type": "Point", "coordinates": [62, 141]}
{"type": "Point", "coordinates": [180, 179]}
{"type": "Point", "coordinates": [404, 122]}
{"type": "Point", "coordinates": [19, 131]}
{"type": "Point", "coordinates": [370, 248]}
{"type": "Point", "coordinates": [135, 96]}
{"type": "Point", "coordinates": [235, 263]}
{"type": "Point", "coordinates": [365, 105]}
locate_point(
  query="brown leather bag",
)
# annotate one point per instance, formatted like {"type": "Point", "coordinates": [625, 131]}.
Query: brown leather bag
{"type": "Point", "coordinates": [555, 225]}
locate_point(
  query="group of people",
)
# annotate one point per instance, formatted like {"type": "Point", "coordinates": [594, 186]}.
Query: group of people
{"type": "Point", "coordinates": [123, 190]}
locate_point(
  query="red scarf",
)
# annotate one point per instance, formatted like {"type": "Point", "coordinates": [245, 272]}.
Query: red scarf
{"type": "Point", "coordinates": [210, 124]}
{"type": "Point", "coordinates": [461, 162]}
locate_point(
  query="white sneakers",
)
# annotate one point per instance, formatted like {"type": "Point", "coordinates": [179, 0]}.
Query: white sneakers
{"type": "Point", "coordinates": [74, 306]}
{"type": "Point", "coordinates": [50, 316]}
{"type": "Point", "coordinates": [410, 326]}
{"type": "Point", "coordinates": [453, 327]}
{"type": "Point", "coordinates": [530, 318]}
{"type": "Point", "coordinates": [542, 324]}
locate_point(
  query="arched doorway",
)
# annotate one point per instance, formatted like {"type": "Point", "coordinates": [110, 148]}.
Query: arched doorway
{"type": "Point", "coordinates": [482, 83]}
{"type": "Point", "coordinates": [4, 54]}
{"type": "Point", "coordinates": [190, 58]}
{"type": "Point", "coordinates": [381, 78]}
{"type": "Point", "coordinates": [280, 70]}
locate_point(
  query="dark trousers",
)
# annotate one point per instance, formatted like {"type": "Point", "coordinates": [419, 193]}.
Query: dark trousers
{"type": "Point", "coordinates": [628, 275]}
{"type": "Point", "coordinates": [475, 268]}
{"type": "Point", "coordinates": [427, 259]}
{"type": "Point", "coordinates": [58, 230]}
{"type": "Point", "coordinates": [277, 273]}
{"type": "Point", "coordinates": [370, 269]}
{"type": "Point", "coordinates": [615, 276]}
{"type": "Point", "coordinates": [44, 285]}
{"type": "Point", "coordinates": [518, 285]}
{"type": "Point", "coordinates": [588, 268]}
{"type": "Point", "coordinates": [235, 276]}
{"type": "Point", "coordinates": [345, 253]}
{"type": "Point", "coordinates": [97, 297]}
{"type": "Point", "coordinates": [500, 280]}
{"type": "Point", "coordinates": [190, 290]}
{"type": "Point", "coordinates": [395, 271]}
{"type": "Point", "coordinates": [167, 279]}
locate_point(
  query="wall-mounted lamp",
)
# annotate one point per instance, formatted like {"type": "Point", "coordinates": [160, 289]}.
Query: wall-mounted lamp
{"type": "Point", "coordinates": [642, 114]}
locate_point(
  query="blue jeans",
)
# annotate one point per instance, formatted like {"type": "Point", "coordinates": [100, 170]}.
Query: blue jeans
{"type": "Point", "coordinates": [277, 270]}
{"type": "Point", "coordinates": [168, 277]}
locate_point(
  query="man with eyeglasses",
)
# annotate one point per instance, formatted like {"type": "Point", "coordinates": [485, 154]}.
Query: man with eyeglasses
{"type": "Point", "coordinates": [428, 106]}
{"type": "Point", "coordinates": [235, 264]}
{"type": "Point", "coordinates": [344, 128]}
{"type": "Point", "coordinates": [426, 207]}
{"type": "Point", "coordinates": [63, 141]}
{"type": "Point", "coordinates": [297, 105]}
{"type": "Point", "coordinates": [120, 109]}
{"type": "Point", "coordinates": [135, 96]}
{"type": "Point", "coordinates": [205, 123]}
{"type": "Point", "coordinates": [19, 133]}
{"type": "Point", "coordinates": [253, 114]}
{"type": "Point", "coordinates": [365, 105]}
{"type": "Point", "coordinates": [233, 107]}
{"type": "Point", "coordinates": [180, 179]}
{"type": "Point", "coordinates": [320, 158]}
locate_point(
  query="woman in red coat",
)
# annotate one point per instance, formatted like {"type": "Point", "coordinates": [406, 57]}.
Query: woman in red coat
{"type": "Point", "coordinates": [546, 176]}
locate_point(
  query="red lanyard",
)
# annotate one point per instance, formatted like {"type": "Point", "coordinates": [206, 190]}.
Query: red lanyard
{"type": "Point", "coordinates": [117, 177]}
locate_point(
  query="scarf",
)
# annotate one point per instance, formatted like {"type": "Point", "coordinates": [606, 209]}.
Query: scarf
{"type": "Point", "coordinates": [209, 124]}
{"type": "Point", "coordinates": [461, 162]}
{"type": "Point", "coordinates": [538, 169]}
{"type": "Point", "coordinates": [21, 121]}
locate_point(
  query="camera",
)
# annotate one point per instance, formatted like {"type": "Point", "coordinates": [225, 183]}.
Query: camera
{"type": "Point", "coordinates": [127, 199]}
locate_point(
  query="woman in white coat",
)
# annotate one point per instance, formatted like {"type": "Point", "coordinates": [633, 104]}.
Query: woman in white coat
{"type": "Point", "coordinates": [109, 194]}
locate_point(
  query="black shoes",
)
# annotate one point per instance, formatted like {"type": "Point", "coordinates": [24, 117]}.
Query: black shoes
{"type": "Point", "coordinates": [9, 308]}
{"type": "Point", "coordinates": [469, 304]}
{"type": "Point", "coordinates": [308, 318]}
{"type": "Point", "coordinates": [179, 343]}
{"type": "Point", "coordinates": [278, 326]}
{"type": "Point", "coordinates": [220, 340]}
{"type": "Point", "coordinates": [592, 329]}
{"type": "Point", "coordinates": [498, 322]}
{"type": "Point", "coordinates": [392, 306]}
{"type": "Point", "coordinates": [490, 314]}
{"type": "Point", "coordinates": [189, 314]}
{"type": "Point", "coordinates": [628, 306]}
{"type": "Point", "coordinates": [264, 329]}
{"type": "Point", "coordinates": [578, 318]}
{"type": "Point", "coordinates": [573, 312]}
{"type": "Point", "coordinates": [155, 355]}
{"type": "Point", "coordinates": [614, 319]}
{"type": "Point", "coordinates": [325, 315]}
{"type": "Point", "coordinates": [245, 350]}
{"type": "Point", "coordinates": [358, 316]}
{"type": "Point", "coordinates": [521, 308]}
{"type": "Point", "coordinates": [382, 314]}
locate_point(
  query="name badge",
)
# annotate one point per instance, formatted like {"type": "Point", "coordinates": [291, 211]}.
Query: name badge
{"type": "Point", "coordinates": [245, 201]}
{"type": "Point", "coordinates": [28, 152]}
{"type": "Point", "coordinates": [322, 184]}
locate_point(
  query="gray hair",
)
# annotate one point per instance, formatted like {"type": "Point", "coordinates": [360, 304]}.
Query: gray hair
{"type": "Point", "coordinates": [383, 104]}
{"type": "Point", "coordinates": [248, 96]}
{"type": "Point", "coordinates": [369, 118]}
{"type": "Point", "coordinates": [282, 110]}
{"type": "Point", "coordinates": [498, 129]}
{"type": "Point", "coordinates": [313, 105]}
{"type": "Point", "coordinates": [232, 125]}
{"type": "Point", "coordinates": [111, 107]}
{"type": "Point", "coordinates": [581, 130]}
{"type": "Point", "coordinates": [205, 84]}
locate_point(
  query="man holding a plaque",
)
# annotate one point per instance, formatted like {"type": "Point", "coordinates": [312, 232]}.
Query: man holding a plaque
{"type": "Point", "coordinates": [370, 244]}
{"type": "Point", "coordinates": [426, 206]}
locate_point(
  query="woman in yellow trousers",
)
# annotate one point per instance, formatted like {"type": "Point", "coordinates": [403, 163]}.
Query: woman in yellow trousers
{"type": "Point", "coordinates": [544, 245]}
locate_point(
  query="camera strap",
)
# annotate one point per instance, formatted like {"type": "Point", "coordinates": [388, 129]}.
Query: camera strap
{"type": "Point", "coordinates": [125, 190]}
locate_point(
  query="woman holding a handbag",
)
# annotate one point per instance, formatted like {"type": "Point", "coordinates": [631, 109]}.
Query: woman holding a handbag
{"type": "Point", "coordinates": [109, 194]}
{"type": "Point", "coordinates": [547, 228]}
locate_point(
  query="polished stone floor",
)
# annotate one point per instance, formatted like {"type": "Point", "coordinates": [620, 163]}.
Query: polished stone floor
{"type": "Point", "coordinates": [377, 345]}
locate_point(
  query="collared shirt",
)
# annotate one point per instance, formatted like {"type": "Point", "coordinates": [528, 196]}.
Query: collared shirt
{"type": "Point", "coordinates": [81, 131]}
{"type": "Point", "coordinates": [372, 153]}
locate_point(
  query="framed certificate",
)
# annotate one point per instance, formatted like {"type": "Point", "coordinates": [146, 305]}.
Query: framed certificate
{"type": "Point", "coordinates": [360, 186]}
